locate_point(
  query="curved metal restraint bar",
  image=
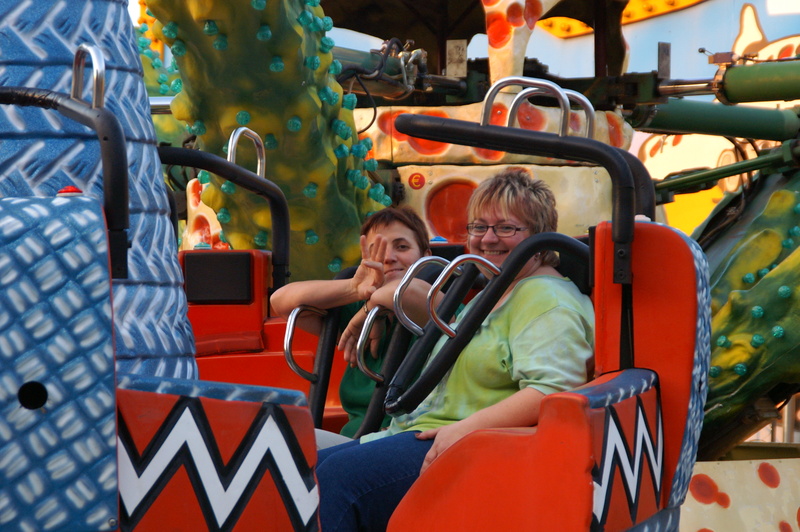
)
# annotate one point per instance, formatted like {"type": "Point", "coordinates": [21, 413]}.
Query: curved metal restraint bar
{"type": "Point", "coordinates": [399, 402]}
{"type": "Point", "coordinates": [363, 338]}
{"type": "Point", "coordinates": [410, 274]}
{"type": "Point", "coordinates": [323, 360]}
{"type": "Point", "coordinates": [397, 354]}
{"type": "Point", "coordinates": [418, 354]}
{"type": "Point", "coordinates": [112, 154]}
{"type": "Point", "coordinates": [288, 338]}
{"type": "Point", "coordinates": [542, 85]}
{"type": "Point", "coordinates": [588, 110]}
{"type": "Point", "coordinates": [98, 74]}
{"type": "Point", "coordinates": [261, 155]}
{"type": "Point", "coordinates": [441, 324]}
{"type": "Point", "coordinates": [279, 210]}
{"type": "Point", "coordinates": [572, 95]}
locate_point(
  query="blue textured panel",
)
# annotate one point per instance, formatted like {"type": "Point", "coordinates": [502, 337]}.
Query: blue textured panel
{"type": "Point", "coordinates": [214, 390]}
{"type": "Point", "coordinates": [702, 356]}
{"type": "Point", "coordinates": [58, 462]}
{"type": "Point", "coordinates": [41, 152]}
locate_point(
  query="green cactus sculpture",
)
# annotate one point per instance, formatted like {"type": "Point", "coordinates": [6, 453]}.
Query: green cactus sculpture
{"type": "Point", "coordinates": [756, 316]}
{"type": "Point", "coordinates": [267, 65]}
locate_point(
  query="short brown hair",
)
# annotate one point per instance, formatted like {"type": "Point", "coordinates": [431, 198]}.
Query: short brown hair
{"type": "Point", "coordinates": [515, 191]}
{"type": "Point", "coordinates": [405, 216]}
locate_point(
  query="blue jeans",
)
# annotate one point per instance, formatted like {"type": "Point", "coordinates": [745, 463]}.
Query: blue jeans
{"type": "Point", "coordinates": [360, 485]}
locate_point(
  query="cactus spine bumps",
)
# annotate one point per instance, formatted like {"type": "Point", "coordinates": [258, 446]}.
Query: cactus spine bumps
{"type": "Point", "coordinates": [267, 65]}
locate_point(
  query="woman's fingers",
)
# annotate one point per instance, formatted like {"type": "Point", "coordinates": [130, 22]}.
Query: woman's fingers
{"type": "Point", "coordinates": [379, 249]}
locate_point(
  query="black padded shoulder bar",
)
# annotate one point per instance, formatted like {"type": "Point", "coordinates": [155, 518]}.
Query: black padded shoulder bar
{"type": "Point", "coordinates": [446, 357]}
{"type": "Point", "coordinates": [112, 154]}
{"type": "Point", "coordinates": [279, 210]}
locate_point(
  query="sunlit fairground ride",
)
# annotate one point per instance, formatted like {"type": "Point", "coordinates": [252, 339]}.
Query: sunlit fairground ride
{"type": "Point", "coordinates": [149, 389]}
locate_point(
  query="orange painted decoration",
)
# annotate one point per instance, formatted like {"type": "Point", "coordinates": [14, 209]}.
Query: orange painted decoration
{"type": "Point", "coordinates": [498, 117]}
{"type": "Point", "coordinates": [157, 408]}
{"type": "Point", "coordinates": [233, 427]}
{"type": "Point", "coordinates": [769, 475]}
{"type": "Point", "coordinates": [533, 12]}
{"type": "Point", "coordinates": [445, 210]}
{"type": "Point", "coordinates": [514, 15]}
{"type": "Point", "coordinates": [615, 135]}
{"type": "Point", "coordinates": [575, 122]}
{"type": "Point", "coordinates": [656, 147]}
{"type": "Point", "coordinates": [786, 51]}
{"type": "Point", "coordinates": [424, 146]}
{"type": "Point", "coordinates": [529, 117]}
{"type": "Point", "coordinates": [498, 30]}
{"type": "Point", "coordinates": [386, 124]}
{"type": "Point", "coordinates": [704, 489]}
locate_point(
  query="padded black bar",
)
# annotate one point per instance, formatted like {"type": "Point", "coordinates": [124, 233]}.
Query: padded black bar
{"type": "Point", "coordinates": [113, 156]}
{"type": "Point", "coordinates": [279, 210]}
{"type": "Point", "coordinates": [645, 191]}
{"type": "Point", "coordinates": [439, 366]}
{"type": "Point", "coordinates": [523, 141]}
{"type": "Point", "coordinates": [418, 354]}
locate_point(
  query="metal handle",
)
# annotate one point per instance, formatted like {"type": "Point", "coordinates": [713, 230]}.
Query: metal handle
{"type": "Point", "coordinates": [588, 109]}
{"type": "Point", "coordinates": [572, 95]}
{"type": "Point", "coordinates": [542, 84]}
{"type": "Point", "coordinates": [404, 283]}
{"type": "Point", "coordinates": [440, 282]}
{"type": "Point", "coordinates": [160, 105]}
{"type": "Point", "coordinates": [98, 74]}
{"type": "Point", "coordinates": [233, 142]}
{"type": "Point", "coordinates": [361, 345]}
{"type": "Point", "coordinates": [288, 337]}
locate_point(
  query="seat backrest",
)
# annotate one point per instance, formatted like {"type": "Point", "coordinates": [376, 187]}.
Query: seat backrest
{"type": "Point", "coordinates": [671, 334]}
{"type": "Point", "coordinates": [57, 409]}
{"type": "Point", "coordinates": [227, 298]}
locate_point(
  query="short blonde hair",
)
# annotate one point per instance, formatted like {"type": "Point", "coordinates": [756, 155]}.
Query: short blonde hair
{"type": "Point", "coordinates": [515, 192]}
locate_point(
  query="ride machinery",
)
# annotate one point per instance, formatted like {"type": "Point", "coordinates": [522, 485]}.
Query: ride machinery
{"type": "Point", "coordinates": [146, 389]}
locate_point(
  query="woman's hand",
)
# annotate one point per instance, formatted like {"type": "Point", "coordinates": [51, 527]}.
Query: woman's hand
{"type": "Point", "coordinates": [348, 342]}
{"type": "Point", "coordinates": [369, 275]}
{"type": "Point", "coordinates": [519, 410]}
{"type": "Point", "coordinates": [443, 438]}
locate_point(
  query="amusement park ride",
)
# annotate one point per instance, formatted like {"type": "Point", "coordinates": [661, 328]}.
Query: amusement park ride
{"type": "Point", "coordinates": [142, 388]}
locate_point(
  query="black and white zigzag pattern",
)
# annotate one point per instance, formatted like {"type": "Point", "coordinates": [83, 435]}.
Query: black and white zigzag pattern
{"type": "Point", "coordinates": [617, 455]}
{"type": "Point", "coordinates": [185, 440]}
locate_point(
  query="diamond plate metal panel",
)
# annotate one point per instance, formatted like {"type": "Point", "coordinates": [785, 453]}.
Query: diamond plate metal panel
{"type": "Point", "coordinates": [41, 152]}
{"type": "Point", "coordinates": [57, 409]}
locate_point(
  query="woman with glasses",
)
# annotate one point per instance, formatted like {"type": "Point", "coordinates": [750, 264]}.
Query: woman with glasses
{"type": "Point", "coordinates": [538, 339]}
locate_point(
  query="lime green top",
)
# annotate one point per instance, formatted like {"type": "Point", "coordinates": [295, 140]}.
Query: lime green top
{"type": "Point", "coordinates": [542, 336]}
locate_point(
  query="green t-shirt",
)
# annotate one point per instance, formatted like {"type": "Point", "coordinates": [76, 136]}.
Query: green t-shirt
{"type": "Point", "coordinates": [542, 337]}
{"type": "Point", "coordinates": [355, 389]}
